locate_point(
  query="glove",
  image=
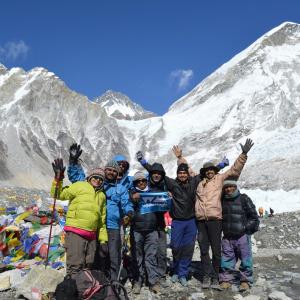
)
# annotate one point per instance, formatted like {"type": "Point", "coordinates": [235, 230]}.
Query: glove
{"type": "Point", "coordinates": [59, 169]}
{"type": "Point", "coordinates": [140, 158]}
{"type": "Point", "coordinates": [75, 152]}
{"type": "Point", "coordinates": [247, 146]}
{"type": "Point", "coordinates": [224, 163]}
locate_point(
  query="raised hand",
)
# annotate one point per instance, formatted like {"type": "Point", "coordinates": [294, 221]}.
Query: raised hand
{"type": "Point", "coordinates": [247, 146]}
{"type": "Point", "coordinates": [74, 152]}
{"type": "Point", "coordinates": [59, 169]}
{"type": "Point", "coordinates": [177, 151]}
{"type": "Point", "coordinates": [139, 156]}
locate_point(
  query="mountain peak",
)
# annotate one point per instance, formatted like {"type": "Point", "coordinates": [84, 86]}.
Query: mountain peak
{"type": "Point", "coordinates": [120, 106]}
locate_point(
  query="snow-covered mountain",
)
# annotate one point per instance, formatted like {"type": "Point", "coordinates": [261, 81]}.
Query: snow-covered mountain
{"type": "Point", "coordinates": [255, 94]}
{"type": "Point", "coordinates": [119, 106]}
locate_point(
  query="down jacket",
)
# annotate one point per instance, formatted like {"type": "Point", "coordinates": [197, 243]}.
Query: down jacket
{"type": "Point", "coordinates": [87, 207]}
{"type": "Point", "coordinates": [239, 216]}
{"type": "Point", "coordinates": [209, 192]}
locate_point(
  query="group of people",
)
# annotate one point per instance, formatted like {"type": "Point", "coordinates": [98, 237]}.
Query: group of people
{"type": "Point", "coordinates": [203, 206]}
{"type": "Point", "coordinates": [265, 213]}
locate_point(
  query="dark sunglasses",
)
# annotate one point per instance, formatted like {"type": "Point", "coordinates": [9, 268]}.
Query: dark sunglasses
{"type": "Point", "coordinates": [97, 177]}
{"type": "Point", "coordinates": [122, 163]}
{"type": "Point", "coordinates": [141, 180]}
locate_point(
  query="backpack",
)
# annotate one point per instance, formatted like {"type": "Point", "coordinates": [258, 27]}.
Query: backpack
{"type": "Point", "coordinates": [66, 290]}
{"type": "Point", "coordinates": [93, 285]}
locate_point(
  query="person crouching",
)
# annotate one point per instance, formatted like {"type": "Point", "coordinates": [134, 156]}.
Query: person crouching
{"type": "Point", "coordinates": [240, 220]}
{"type": "Point", "coordinates": [145, 235]}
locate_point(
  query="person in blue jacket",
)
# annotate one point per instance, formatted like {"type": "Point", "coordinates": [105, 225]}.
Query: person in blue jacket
{"type": "Point", "coordinates": [118, 204]}
{"type": "Point", "coordinates": [123, 177]}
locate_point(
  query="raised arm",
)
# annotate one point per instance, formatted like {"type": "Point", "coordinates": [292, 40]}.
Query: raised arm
{"type": "Point", "coordinates": [236, 169]}
{"type": "Point", "coordinates": [181, 160]}
{"type": "Point", "coordinates": [75, 170]}
{"type": "Point", "coordinates": [140, 158]}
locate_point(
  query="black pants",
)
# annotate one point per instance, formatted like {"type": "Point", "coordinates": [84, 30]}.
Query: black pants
{"type": "Point", "coordinates": [209, 234]}
{"type": "Point", "coordinates": [114, 250]}
{"type": "Point", "coordinates": [162, 253]}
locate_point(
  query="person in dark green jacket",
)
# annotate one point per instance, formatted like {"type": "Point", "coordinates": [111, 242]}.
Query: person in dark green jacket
{"type": "Point", "coordinates": [86, 216]}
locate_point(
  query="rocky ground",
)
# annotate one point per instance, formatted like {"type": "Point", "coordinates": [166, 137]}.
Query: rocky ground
{"type": "Point", "coordinates": [276, 250]}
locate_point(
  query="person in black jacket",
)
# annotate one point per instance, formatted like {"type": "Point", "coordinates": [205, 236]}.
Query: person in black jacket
{"type": "Point", "coordinates": [145, 244]}
{"type": "Point", "coordinates": [240, 220]}
{"type": "Point", "coordinates": [184, 230]}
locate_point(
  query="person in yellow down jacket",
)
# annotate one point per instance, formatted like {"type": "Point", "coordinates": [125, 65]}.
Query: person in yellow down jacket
{"type": "Point", "coordinates": [208, 212]}
{"type": "Point", "coordinates": [86, 216]}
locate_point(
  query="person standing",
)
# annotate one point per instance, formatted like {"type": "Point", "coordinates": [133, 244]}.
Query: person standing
{"type": "Point", "coordinates": [240, 221]}
{"type": "Point", "coordinates": [208, 211]}
{"type": "Point", "coordinates": [118, 205]}
{"type": "Point", "coordinates": [85, 217]}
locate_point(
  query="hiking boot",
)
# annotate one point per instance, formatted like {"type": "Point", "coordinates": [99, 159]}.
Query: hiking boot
{"type": "Point", "coordinates": [225, 285]}
{"type": "Point", "coordinates": [174, 278]}
{"type": "Point", "coordinates": [244, 286]}
{"type": "Point", "coordinates": [136, 288]}
{"type": "Point", "coordinates": [164, 283]}
{"type": "Point", "coordinates": [155, 288]}
{"type": "Point", "coordinates": [215, 285]}
{"type": "Point", "coordinates": [183, 281]}
{"type": "Point", "coordinates": [206, 282]}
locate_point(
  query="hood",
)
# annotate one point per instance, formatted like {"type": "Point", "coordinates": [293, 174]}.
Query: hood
{"type": "Point", "coordinates": [159, 168]}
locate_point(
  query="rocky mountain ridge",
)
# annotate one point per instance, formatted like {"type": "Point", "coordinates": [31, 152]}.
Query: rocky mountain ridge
{"type": "Point", "coordinates": [255, 94]}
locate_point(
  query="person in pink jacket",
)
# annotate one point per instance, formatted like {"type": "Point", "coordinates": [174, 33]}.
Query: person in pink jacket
{"type": "Point", "coordinates": [208, 211]}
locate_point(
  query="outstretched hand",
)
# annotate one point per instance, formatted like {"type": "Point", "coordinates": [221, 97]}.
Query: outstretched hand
{"type": "Point", "coordinates": [59, 169]}
{"type": "Point", "coordinates": [177, 151]}
{"type": "Point", "coordinates": [75, 151]}
{"type": "Point", "coordinates": [139, 156]}
{"type": "Point", "coordinates": [247, 146]}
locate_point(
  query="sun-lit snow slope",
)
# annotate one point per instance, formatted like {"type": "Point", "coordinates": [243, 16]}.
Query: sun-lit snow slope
{"type": "Point", "coordinates": [119, 106]}
{"type": "Point", "coordinates": [256, 95]}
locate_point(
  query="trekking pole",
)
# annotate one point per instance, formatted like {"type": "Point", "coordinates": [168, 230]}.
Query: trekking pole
{"type": "Point", "coordinates": [123, 249]}
{"type": "Point", "coordinates": [52, 220]}
{"type": "Point", "coordinates": [59, 169]}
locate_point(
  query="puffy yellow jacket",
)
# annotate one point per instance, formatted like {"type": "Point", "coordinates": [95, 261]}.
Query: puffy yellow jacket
{"type": "Point", "coordinates": [87, 207]}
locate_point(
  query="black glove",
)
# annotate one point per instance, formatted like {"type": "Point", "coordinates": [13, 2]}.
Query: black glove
{"type": "Point", "coordinates": [247, 146]}
{"type": "Point", "coordinates": [139, 156]}
{"type": "Point", "coordinates": [59, 169]}
{"type": "Point", "coordinates": [75, 152]}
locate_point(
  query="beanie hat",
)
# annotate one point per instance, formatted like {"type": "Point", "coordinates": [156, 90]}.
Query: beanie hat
{"type": "Point", "coordinates": [139, 175]}
{"type": "Point", "coordinates": [113, 165]}
{"type": "Point", "coordinates": [231, 181]}
{"type": "Point", "coordinates": [95, 172]}
{"type": "Point", "coordinates": [183, 167]}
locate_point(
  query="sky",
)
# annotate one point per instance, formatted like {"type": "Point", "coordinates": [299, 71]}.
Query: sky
{"type": "Point", "coordinates": [153, 51]}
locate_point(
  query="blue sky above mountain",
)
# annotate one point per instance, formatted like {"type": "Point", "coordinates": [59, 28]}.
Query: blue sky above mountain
{"type": "Point", "coordinates": [152, 51]}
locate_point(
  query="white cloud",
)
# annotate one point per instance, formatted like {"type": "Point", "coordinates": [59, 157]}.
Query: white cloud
{"type": "Point", "coordinates": [13, 50]}
{"type": "Point", "coordinates": [181, 78]}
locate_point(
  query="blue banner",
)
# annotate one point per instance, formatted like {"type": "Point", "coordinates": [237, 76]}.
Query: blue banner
{"type": "Point", "coordinates": [154, 202]}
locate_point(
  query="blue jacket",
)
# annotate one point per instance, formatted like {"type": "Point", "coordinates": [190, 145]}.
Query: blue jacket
{"type": "Point", "coordinates": [126, 180]}
{"type": "Point", "coordinates": [117, 197]}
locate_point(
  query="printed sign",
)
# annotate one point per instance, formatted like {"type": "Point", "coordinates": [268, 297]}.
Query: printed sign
{"type": "Point", "coordinates": [154, 202]}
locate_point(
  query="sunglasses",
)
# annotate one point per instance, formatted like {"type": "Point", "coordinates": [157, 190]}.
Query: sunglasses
{"type": "Point", "coordinates": [97, 177]}
{"type": "Point", "coordinates": [122, 163]}
{"type": "Point", "coordinates": [141, 180]}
